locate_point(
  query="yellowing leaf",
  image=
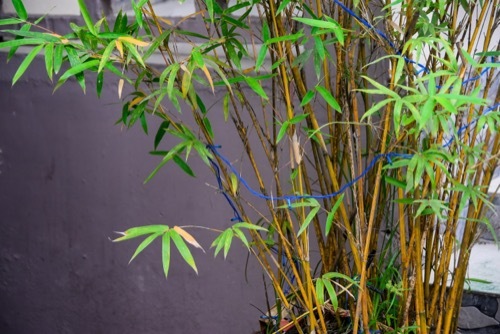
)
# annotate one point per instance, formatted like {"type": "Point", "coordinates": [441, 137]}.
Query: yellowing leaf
{"type": "Point", "coordinates": [120, 88]}
{"type": "Point", "coordinates": [132, 40]}
{"type": "Point", "coordinates": [63, 40]}
{"type": "Point", "coordinates": [119, 47]}
{"type": "Point", "coordinates": [136, 101]}
{"type": "Point", "coordinates": [209, 77]}
{"type": "Point", "coordinates": [234, 184]}
{"type": "Point", "coordinates": [188, 237]}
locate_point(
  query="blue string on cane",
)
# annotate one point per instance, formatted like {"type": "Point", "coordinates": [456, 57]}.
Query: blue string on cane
{"type": "Point", "coordinates": [387, 156]}
{"type": "Point", "coordinates": [379, 32]}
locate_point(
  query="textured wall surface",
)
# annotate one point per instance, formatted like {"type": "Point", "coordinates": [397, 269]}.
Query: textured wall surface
{"type": "Point", "coordinates": [68, 178]}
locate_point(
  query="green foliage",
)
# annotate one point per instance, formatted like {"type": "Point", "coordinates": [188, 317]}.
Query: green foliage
{"type": "Point", "coordinates": [295, 72]}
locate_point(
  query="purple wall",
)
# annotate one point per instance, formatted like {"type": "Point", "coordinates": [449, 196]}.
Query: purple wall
{"type": "Point", "coordinates": [68, 179]}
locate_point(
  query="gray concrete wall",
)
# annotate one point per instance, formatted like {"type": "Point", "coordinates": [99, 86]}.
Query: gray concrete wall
{"type": "Point", "coordinates": [68, 179]}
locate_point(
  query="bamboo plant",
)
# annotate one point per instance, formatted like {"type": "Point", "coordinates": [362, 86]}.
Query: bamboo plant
{"type": "Point", "coordinates": [376, 122]}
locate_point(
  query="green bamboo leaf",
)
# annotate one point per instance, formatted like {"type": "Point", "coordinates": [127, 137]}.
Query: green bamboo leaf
{"type": "Point", "coordinates": [395, 182]}
{"type": "Point", "coordinates": [144, 122]}
{"type": "Point", "coordinates": [218, 243]}
{"type": "Point", "coordinates": [227, 243]}
{"type": "Point", "coordinates": [225, 107]}
{"type": "Point", "coordinates": [376, 107]}
{"type": "Point", "coordinates": [20, 9]}
{"type": "Point", "coordinates": [298, 118]}
{"type": "Point", "coordinates": [58, 57]}
{"type": "Point", "coordinates": [161, 133]}
{"type": "Point", "coordinates": [242, 237]}
{"type": "Point", "coordinates": [210, 9]}
{"type": "Point", "coordinates": [76, 70]}
{"type": "Point", "coordinates": [183, 249]}
{"type": "Point", "coordinates": [256, 87]}
{"type": "Point", "coordinates": [282, 6]}
{"type": "Point", "coordinates": [319, 48]}
{"type": "Point", "coordinates": [33, 34]}
{"type": "Point", "coordinates": [381, 89]}
{"type": "Point", "coordinates": [197, 58]}
{"type": "Point", "coordinates": [99, 83]}
{"type": "Point", "coordinates": [145, 243]}
{"type": "Point", "coordinates": [261, 57]}
{"type": "Point", "coordinates": [183, 165]}
{"type": "Point", "coordinates": [327, 96]}
{"type": "Point", "coordinates": [398, 110]}
{"type": "Point", "coordinates": [320, 291]}
{"type": "Point", "coordinates": [171, 80]}
{"type": "Point", "coordinates": [282, 131]}
{"type": "Point", "coordinates": [317, 23]}
{"type": "Point", "coordinates": [49, 59]}
{"type": "Point", "coordinates": [165, 253]}
{"type": "Point", "coordinates": [285, 38]}
{"type": "Point", "coordinates": [26, 62]}
{"type": "Point", "coordinates": [75, 61]}
{"type": "Point", "coordinates": [332, 275]}
{"type": "Point", "coordinates": [208, 127]}
{"type": "Point", "coordinates": [133, 51]}
{"type": "Point", "coordinates": [135, 232]}
{"type": "Point", "coordinates": [337, 30]}
{"type": "Point", "coordinates": [160, 40]}
{"type": "Point", "coordinates": [166, 159]}
{"type": "Point", "coordinates": [331, 214]}
{"type": "Point", "coordinates": [331, 294]}
{"type": "Point", "coordinates": [308, 220]}
{"type": "Point", "coordinates": [489, 54]}
{"type": "Point", "coordinates": [9, 21]}
{"type": "Point", "coordinates": [249, 226]}
{"type": "Point", "coordinates": [19, 42]}
{"type": "Point", "coordinates": [13, 50]}
{"type": "Point", "coordinates": [106, 54]}
{"type": "Point", "coordinates": [307, 98]}
{"type": "Point", "coordinates": [86, 16]}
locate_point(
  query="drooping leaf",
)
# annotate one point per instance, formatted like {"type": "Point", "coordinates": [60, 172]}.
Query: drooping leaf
{"type": "Point", "coordinates": [188, 237]}
{"type": "Point", "coordinates": [320, 291]}
{"type": "Point", "coordinates": [144, 122]}
{"type": "Point", "coordinates": [165, 253]}
{"type": "Point", "coordinates": [256, 87]}
{"type": "Point", "coordinates": [26, 62]}
{"type": "Point", "coordinates": [134, 53]}
{"type": "Point", "coordinates": [105, 55]}
{"type": "Point", "coordinates": [331, 214]}
{"type": "Point", "coordinates": [183, 249]}
{"type": "Point", "coordinates": [145, 243]}
{"type": "Point", "coordinates": [99, 83]}
{"type": "Point", "coordinates": [161, 133]}
{"type": "Point", "coordinates": [328, 97]}
{"type": "Point", "coordinates": [242, 237]}
{"type": "Point", "coordinates": [331, 294]}
{"type": "Point", "coordinates": [307, 98]}
{"type": "Point", "coordinates": [310, 216]}
{"type": "Point", "coordinates": [58, 57]}
{"type": "Point", "coordinates": [183, 165]}
{"type": "Point", "coordinates": [76, 70]}
{"type": "Point", "coordinates": [49, 59]}
{"type": "Point", "coordinates": [282, 131]}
